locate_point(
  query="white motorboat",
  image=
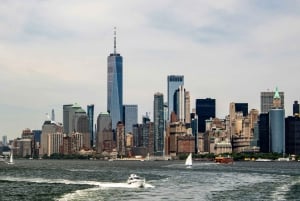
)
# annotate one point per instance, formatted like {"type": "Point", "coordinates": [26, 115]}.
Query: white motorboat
{"type": "Point", "coordinates": [136, 181]}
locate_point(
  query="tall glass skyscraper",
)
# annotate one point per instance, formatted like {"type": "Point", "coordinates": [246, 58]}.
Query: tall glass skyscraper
{"type": "Point", "coordinates": [158, 123]}
{"type": "Point", "coordinates": [174, 81]}
{"type": "Point", "coordinates": [277, 125]}
{"type": "Point", "coordinates": [90, 113]}
{"type": "Point", "coordinates": [205, 109]}
{"type": "Point", "coordinates": [130, 117]}
{"type": "Point", "coordinates": [115, 86]}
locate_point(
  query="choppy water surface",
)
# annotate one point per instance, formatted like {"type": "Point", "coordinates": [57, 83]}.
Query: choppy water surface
{"type": "Point", "coordinates": [166, 180]}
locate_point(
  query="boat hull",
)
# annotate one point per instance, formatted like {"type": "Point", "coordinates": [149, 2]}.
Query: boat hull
{"type": "Point", "coordinates": [225, 160]}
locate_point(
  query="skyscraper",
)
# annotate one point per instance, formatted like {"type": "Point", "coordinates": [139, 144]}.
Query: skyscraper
{"type": "Point", "coordinates": [104, 140]}
{"type": "Point", "coordinates": [277, 125]}
{"type": "Point", "coordinates": [242, 107]}
{"type": "Point", "coordinates": [292, 133]}
{"type": "Point", "coordinates": [90, 113]}
{"type": "Point", "coordinates": [115, 86]}
{"type": "Point", "coordinates": [158, 123]}
{"type": "Point", "coordinates": [296, 108]}
{"type": "Point", "coordinates": [130, 117]}
{"type": "Point", "coordinates": [174, 81]}
{"type": "Point", "coordinates": [266, 100]}
{"type": "Point", "coordinates": [205, 109]}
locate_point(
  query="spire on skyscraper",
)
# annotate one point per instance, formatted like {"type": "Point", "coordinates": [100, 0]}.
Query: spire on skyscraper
{"type": "Point", "coordinates": [115, 41]}
{"type": "Point", "coordinates": [276, 95]}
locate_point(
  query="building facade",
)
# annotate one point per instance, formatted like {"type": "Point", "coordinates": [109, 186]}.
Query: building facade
{"type": "Point", "coordinates": [205, 109]}
{"type": "Point", "coordinates": [277, 125]}
{"type": "Point", "coordinates": [174, 81]}
{"type": "Point", "coordinates": [90, 113]}
{"type": "Point", "coordinates": [130, 117]}
{"type": "Point", "coordinates": [158, 119]}
{"type": "Point", "coordinates": [104, 140]}
{"type": "Point", "coordinates": [292, 135]}
{"type": "Point", "coordinates": [115, 86]}
{"type": "Point", "coordinates": [266, 101]}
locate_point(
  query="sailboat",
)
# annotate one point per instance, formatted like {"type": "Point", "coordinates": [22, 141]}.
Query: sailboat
{"type": "Point", "coordinates": [11, 160]}
{"type": "Point", "coordinates": [189, 161]}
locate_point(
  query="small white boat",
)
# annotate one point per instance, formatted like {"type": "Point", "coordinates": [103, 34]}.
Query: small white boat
{"type": "Point", "coordinates": [263, 160]}
{"type": "Point", "coordinates": [136, 181]}
{"type": "Point", "coordinates": [189, 161]}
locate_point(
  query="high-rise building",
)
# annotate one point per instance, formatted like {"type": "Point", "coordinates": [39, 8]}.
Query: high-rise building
{"type": "Point", "coordinates": [266, 100]}
{"type": "Point", "coordinates": [174, 81]}
{"type": "Point", "coordinates": [90, 113]}
{"type": "Point", "coordinates": [104, 139]}
{"type": "Point", "coordinates": [115, 86]}
{"type": "Point", "coordinates": [182, 105]}
{"type": "Point", "coordinates": [292, 135]}
{"type": "Point", "coordinates": [264, 135]}
{"type": "Point", "coordinates": [52, 115]}
{"type": "Point", "coordinates": [296, 108]}
{"type": "Point", "coordinates": [205, 109]}
{"type": "Point", "coordinates": [277, 125]}
{"type": "Point", "coordinates": [67, 120]}
{"type": "Point", "coordinates": [242, 107]}
{"type": "Point", "coordinates": [71, 114]}
{"type": "Point", "coordinates": [4, 140]}
{"type": "Point", "coordinates": [130, 117]}
{"type": "Point", "coordinates": [120, 133]}
{"type": "Point", "coordinates": [194, 126]}
{"type": "Point", "coordinates": [158, 123]}
{"type": "Point", "coordinates": [51, 137]}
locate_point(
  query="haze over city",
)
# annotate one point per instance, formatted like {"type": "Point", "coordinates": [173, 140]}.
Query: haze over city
{"type": "Point", "coordinates": [55, 53]}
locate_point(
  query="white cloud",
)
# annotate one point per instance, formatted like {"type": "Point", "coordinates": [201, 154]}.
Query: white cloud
{"type": "Point", "coordinates": [55, 52]}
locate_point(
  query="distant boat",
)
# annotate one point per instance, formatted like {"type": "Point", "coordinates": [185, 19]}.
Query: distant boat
{"type": "Point", "coordinates": [189, 161]}
{"type": "Point", "coordinates": [283, 159]}
{"type": "Point", "coordinates": [136, 181]}
{"type": "Point", "coordinates": [11, 159]}
{"type": "Point", "coordinates": [263, 160]}
{"type": "Point", "coordinates": [222, 159]}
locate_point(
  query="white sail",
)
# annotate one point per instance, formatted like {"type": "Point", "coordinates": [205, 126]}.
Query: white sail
{"type": "Point", "coordinates": [189, 161]}
{"type": "Point", "coordinates": [11, 160]}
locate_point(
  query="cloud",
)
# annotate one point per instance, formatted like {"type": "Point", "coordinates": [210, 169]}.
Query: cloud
{"type": "Point", "coordinates": [55, 53]}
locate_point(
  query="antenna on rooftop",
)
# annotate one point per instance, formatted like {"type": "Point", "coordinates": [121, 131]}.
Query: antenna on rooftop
{"type": "Point", "coordinates": [115, 40]}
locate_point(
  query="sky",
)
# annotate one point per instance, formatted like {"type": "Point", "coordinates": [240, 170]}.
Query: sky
{"type": "Point", "coordinates": [55, 52]}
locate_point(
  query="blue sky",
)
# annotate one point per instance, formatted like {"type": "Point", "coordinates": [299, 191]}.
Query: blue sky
{"type": "Point", "coordinates": [55, 53]}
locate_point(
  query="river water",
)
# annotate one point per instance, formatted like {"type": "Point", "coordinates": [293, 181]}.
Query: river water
{"type": "Point", "coordinates": [165, 180]}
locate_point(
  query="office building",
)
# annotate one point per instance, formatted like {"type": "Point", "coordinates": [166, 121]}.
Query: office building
{"type": "Point", "coordinates": [115, 86]}
{"type": "Point", "coordinates": [266, 100]}
{"type": "Point", "coordinates": [130, 117]}
{"type": "Point", "coordinates": [120, 133]}
{"type": "Point", "coordinates": [205, 109]}
{"type": "Point", "coordinates": [242, 107]}
{"type": "Point", "coordinates": [51, 137]}
{"type": "Point", "coordinates": [264, 135]}
{"type": "Point", "coordinates": [277, 125]}
{"type": "Point", "coordinates": [104, 140]}
{"type": "Point", "coordinates": [174, 81]}
{"type": "Point", "coordinates": [296, 108]}
{"type": "Point", "coordinates": [159, 128]}
{"type": "Point", "coordinates": [4, 140]}
{"type": "Point", "coordinates": [292, 135]}
{"type": "Point", "coordinates": [90, 113]}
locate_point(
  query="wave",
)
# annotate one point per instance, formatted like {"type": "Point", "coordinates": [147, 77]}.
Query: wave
{"type": "Point", "coordinates": [74, 182]}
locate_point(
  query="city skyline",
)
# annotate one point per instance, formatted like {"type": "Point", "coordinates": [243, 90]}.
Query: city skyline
{"type": "Point", "coordinates": [229, 51]}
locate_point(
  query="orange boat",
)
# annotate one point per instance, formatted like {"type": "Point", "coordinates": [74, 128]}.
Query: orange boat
{"type": "Point", "coordinates": [221, 159]}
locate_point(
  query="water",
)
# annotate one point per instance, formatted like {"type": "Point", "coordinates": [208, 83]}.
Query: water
{"type": "Point", "coordinates": [165, 180]}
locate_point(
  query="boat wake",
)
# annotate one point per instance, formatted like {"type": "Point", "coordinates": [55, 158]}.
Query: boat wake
{"type": "Point", "coordinates": [74, 182]}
